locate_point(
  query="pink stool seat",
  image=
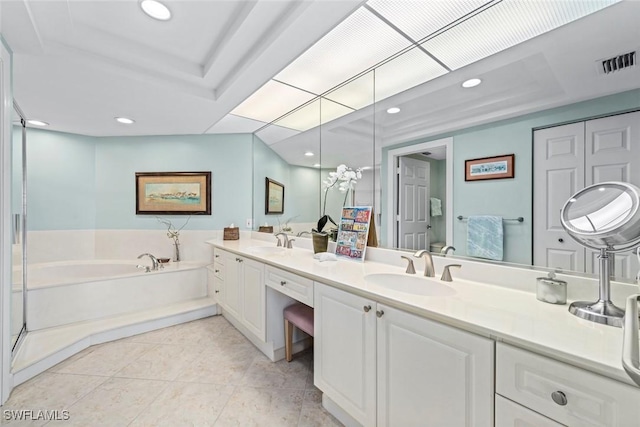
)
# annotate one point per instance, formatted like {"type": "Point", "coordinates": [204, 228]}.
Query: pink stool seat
{"type": "Point", "coordinates": [300, 316]}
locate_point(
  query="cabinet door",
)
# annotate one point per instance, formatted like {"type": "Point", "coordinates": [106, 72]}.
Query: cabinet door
{"type": "Point", "coordinates": [430, 374]}
{"type": "Point", "coordinates": [510, 414]}
{"type": "Point", "coordinates": [253, 297]}
{"type": "Point", "coordinates": [344, 351]}
{"type": "Point", "coordinates": [232, 288]}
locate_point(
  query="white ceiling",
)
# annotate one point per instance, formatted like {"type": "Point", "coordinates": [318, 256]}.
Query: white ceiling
{"type": "Point", "coordinates": [78, 64]}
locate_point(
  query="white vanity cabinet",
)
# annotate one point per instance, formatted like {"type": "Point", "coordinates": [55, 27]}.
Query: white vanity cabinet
{"type": "Point", "coordinates": [564, 393]}
{"type": "Point", "coordinates": [244, 292]}
{"type": "Point", "coordinates": [386, 367]}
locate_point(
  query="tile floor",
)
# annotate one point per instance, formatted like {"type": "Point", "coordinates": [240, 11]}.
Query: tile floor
{"type": "Point", "coordinates": [201, 373]}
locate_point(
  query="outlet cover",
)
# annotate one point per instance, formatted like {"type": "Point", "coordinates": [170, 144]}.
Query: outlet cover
{"type": "Point", "coordinates": [249, 223]}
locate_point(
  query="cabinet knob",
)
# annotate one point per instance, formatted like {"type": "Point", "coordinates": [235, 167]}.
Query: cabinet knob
{"type": "Point", "coordinates": [559, 397]}
{"type": "Point", "coordinates": [379, 313]}
{"type": "Point", "coordinates": [561, 240]}
{"type": "Point", "coordinates": [217, 271]}
{"type": "Point", "coordinates": [217, 292]}
{"type": "Point", "coordinates": [217, 256]}
{"type": "Point", "coordinates": [366, 308]}
{"type": "Point", "coordinates": [282, 283]}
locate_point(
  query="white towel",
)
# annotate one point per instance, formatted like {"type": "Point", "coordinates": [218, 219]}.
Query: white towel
{"type": "Point", "coordinates": [485, 237]}
{"type": "Point", "coordinates": [436, 207]}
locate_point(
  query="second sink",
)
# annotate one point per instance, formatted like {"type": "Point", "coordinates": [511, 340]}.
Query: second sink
{"type": "Point", "coordinates": [409, 284]}
{"type": "Point", "coordinates": [266, 250]}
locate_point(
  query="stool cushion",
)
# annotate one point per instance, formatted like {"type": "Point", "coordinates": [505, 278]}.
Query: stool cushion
{"type": "Point", "coordinates": [301, 316]}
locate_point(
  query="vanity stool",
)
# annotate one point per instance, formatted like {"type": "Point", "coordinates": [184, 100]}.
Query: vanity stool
{"type": "Point", "coordinates": [300, 316]}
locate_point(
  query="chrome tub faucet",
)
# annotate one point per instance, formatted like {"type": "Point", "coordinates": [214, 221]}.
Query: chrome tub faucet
{"type": "Point", "coordinates": [154, 263]}
{"type": "Point", "coordinates": [445, 250]}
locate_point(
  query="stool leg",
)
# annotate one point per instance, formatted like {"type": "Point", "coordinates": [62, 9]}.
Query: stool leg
{"type": "Point", "coordinates": [288, 338]}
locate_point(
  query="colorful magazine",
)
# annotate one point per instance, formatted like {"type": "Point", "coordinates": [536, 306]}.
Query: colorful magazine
{"type": "Point", "coordinates": [353, 231]}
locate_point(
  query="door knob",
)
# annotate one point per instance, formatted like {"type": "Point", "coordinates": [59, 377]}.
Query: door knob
{"type": "Point", "coordinates": [428, 227]}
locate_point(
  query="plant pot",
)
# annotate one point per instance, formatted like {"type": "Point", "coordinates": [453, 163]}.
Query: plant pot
{"type": "Point", "coordinates": [320, 242]}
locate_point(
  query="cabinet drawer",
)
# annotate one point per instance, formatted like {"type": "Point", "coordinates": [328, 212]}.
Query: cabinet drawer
{"type": "Point", "coordinates": [581, 397]}
{"type": "Point", "coordinates": [298, 288]}
{"type": "Point", "coordinates": [218, 270]}
{"type": "Point", "coordinates": [510, 414]}
{"type": "Point", "coordinates": [218, 256]}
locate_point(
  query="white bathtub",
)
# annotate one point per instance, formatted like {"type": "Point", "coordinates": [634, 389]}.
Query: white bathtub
{"type": "Point", "coordinates": [61, 293]}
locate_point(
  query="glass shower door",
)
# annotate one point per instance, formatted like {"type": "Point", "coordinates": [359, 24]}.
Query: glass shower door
{"type": "Point", "coordinates": [18, 247]}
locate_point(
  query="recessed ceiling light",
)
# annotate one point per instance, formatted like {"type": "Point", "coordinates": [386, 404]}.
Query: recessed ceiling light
{"type": "Point", "coordinates": [37, 123]}
{"type": "Point", "coordinates": [393, 110]}
{"type": "Point", "coordinates": [308, 154]}
{"type": "Point", "coordinates": [125, 120]}
{"type": "Point", "coordinates": [471, 83]}
{"type": "Point", "coordinates": [316, 165]}
{"type": "Point", "coordinates": [364, 168]}
{"type": "Point", "coordinates": [156, 10]}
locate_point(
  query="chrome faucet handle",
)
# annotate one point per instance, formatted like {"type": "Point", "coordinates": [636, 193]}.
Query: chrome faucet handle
{"type": "Point", "coordinates": [410, 268]}
{"type": "Point", "coordinates": [279, 241]}
{"type": "Point", "coordinates": [446, 274]}
{"type": "Point", "coordinates": [289, 243]}
{"type": "Point", "coordinates": [154, 260]}
{"type": "Point", "coordinates": [145, 267]}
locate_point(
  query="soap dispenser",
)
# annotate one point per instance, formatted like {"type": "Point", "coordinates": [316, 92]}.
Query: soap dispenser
{"type": "Point", "coordinates": [551, 290]}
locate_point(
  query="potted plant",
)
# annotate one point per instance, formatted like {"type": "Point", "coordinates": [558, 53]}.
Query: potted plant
{"type": "Point", "coordinates": [347, 179]}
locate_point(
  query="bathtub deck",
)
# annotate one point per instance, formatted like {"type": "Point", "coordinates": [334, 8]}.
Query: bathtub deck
{"type": "Point", "coordinates": [45, 348]}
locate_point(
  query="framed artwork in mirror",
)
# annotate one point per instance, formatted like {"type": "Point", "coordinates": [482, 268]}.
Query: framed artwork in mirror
{"type": "Point", "coordinates": [274, 197]}
{"type": "Point", "coordinates": [497, 167]}
{"type": "Point", "coordinates": [173, 193]}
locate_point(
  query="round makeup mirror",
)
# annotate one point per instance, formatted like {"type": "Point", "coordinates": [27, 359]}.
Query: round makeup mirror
{"type": "Point", "coordinates": [604, 217]}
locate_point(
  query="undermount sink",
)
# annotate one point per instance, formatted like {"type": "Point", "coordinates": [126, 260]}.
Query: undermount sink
{"type": "Point", "coordinates": [266, 250]}
{"type": "Point", "coordinates": [414, 285]}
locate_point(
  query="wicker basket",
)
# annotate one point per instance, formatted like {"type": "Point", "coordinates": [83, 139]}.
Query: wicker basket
{"type": "Point", "coordinates": [266, 229]}
{"type": "Point", "coordinates": [231, 233]}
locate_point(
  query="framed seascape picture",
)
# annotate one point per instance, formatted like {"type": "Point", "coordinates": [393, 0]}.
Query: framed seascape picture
{"type": "Point", "coordinates": [274, 197]}
{"type": "Point", "coordinates": [498, 167]}
{"type": "Point", "coordinates": [173, 193]}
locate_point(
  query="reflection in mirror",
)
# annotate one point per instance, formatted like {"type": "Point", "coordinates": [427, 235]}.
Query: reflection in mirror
{"type": "Point", "coordinates": [18, 247]}
{"type": "Point", "coordinates": [296, 164]}
{"type": "Point", "coordinates": [604, 217]}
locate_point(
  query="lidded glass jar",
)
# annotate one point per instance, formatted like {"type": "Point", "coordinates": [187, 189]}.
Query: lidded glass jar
{"type": "Point", "coordinates": [551, 290]}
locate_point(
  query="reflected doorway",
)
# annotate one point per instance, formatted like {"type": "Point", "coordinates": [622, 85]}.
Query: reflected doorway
{"type": "Point", "coordinates": [419, 209]}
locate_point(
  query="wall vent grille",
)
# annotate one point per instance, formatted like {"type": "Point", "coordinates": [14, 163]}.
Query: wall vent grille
{"type": "Point", "coordinates": [617, 63]}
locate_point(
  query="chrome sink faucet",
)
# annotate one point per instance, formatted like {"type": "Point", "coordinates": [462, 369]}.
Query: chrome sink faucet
{"type": "Point", "coordinates": [286, 239]}
{"type": "Point", "coordinates": [445, 250]}
{"type": "Point", "coordinates": [429, 270]}
{"type": "Point", "coordinates": [154, 262]}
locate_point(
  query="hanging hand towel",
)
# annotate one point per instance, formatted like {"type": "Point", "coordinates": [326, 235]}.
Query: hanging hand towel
{"type": "Point", "coordinates": [485, 237]}
{"type": "Point", "coordinates": [436, 207]}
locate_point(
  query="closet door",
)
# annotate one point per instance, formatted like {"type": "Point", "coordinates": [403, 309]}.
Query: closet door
{"type": "Point", "coordinates": [558, 161]}
{"type": "Point", "coordinates": [613, 154]}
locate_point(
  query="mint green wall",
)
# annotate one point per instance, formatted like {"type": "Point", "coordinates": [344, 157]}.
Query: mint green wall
{"type": "Point", "coordinates": [81, 182]}
{"type": "Point", "coordinates": [301, 196]}
{"type": "Point", "coordinates": [510, 198]}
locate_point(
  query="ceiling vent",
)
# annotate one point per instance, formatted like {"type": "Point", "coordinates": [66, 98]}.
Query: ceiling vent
{"type": "Point", "coordinates": [617, 63]}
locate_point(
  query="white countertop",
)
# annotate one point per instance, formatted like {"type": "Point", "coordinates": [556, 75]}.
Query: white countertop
{"type": "Point", "coordinates": [508, 315]}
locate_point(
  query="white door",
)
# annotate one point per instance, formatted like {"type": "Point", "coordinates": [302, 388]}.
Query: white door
{"type": "Point", "coordinates": [558, 159]}
{"type": "Point", "coordinates": [413, 204]}
{"type": "Point", "coordinates": [344, 351]}
{"type": "Point", "coordinates": [430, 374]}
{"type": "Point", "coordinates": [253, 297]}
{"type": "Point", "coordinates": [613, 154]}
{"type": "Point", "coordinates": [232, 294]}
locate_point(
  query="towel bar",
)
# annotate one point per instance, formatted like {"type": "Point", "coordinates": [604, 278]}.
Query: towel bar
{"type": "Point", "coordinates": [519, 219]}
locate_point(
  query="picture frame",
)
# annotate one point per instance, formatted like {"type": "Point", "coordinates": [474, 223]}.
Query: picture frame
{"type": "Point", "coordinates": [173, 193]}
{"type": "Point", "coordinates": [487, 168]}
{"type": "Point", "coordinates": [273, 197]}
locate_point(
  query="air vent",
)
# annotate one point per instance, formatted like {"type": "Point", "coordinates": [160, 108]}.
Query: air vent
{"type": "Point", "coordinates": [617, 63]}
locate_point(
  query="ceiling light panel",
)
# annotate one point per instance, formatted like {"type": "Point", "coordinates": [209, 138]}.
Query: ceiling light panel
{"type": "Point", "coordinates": [419, 19]}
{"type": "Point", "coordinates": [358, 43]}
{"type": "Point", "coordinates": [356, 94]}
{"type": "Point", "coordinates": [504, 25]}
{"type": "Point", "coordinates": [272, 101]}
{"type": "Point", "coordinates": [303, 118]}
{"type": "Point", "coordinates": [404, 72]}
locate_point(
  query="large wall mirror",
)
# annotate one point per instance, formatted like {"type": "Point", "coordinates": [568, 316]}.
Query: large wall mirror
{"type": "Point", "coordinates": [409, 130]}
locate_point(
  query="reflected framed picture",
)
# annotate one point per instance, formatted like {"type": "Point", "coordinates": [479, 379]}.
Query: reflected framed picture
{"type": "Point", "coordinates": [173, 193]}
{"type": "Point", "coordinates": [274, 197]}
{"type": "Point", "coordinates": [497, 167]}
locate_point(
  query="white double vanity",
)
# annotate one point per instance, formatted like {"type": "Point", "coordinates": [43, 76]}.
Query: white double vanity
{"type": "Point", "coordinates": [488, 353]}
